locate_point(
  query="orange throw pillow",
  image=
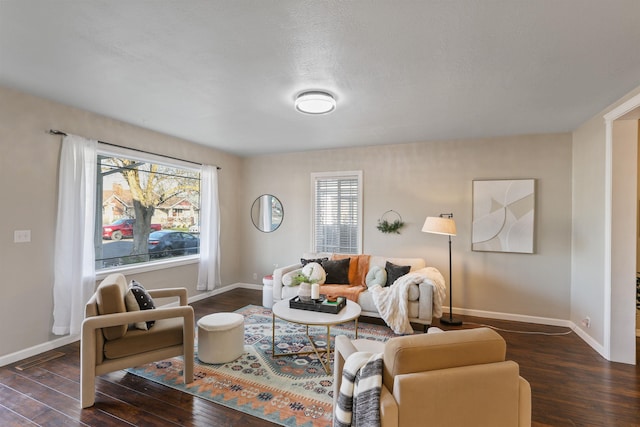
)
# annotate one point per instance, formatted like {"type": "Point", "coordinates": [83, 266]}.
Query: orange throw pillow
{"type": "Point", "coordinates": [358, 268]}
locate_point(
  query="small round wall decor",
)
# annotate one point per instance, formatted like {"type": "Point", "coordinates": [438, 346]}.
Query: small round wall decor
{"type": "Point", "coordinates": [390, 222]}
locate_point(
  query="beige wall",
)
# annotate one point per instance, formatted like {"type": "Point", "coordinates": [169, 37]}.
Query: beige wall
{"type": "Point", "coordinates": [563, 279]}
{"type": "Point", "coordinates": [429, 178]}
{"type": "Point", "coordinates": [28, 185]}
{"type": "Point", "coordinates": [623, 233]}
{"type": "Point", "coordinates": [587, 291]}
{"type": "Point", "coordinates": [638, 198]}
{"type": "Point", "coordinates": [589, 240]}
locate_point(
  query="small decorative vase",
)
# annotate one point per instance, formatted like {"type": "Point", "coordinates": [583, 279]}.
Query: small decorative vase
{"type": "Point", "coordinates": [304, 291]}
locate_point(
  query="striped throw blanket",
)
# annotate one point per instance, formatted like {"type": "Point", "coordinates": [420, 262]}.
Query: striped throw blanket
{"type": "Point", "coordinates": [359, 397]}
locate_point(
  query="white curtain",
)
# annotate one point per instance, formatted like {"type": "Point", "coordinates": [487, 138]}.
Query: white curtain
{"type": "Point", "coordinates": [209, 268]}
{"type": "Point", "coordinates": [74, 259]}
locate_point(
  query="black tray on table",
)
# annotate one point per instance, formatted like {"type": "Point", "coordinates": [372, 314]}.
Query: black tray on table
{"type": "Point", "coordinates": [321, 304]}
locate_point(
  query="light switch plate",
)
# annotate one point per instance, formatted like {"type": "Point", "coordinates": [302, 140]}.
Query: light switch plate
{"type": "Point", "coordinates": [21, 236]}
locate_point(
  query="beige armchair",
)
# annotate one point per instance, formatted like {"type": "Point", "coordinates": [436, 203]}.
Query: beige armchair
{"type": "Point", "coordinates": [456, 378]}
{"type": "Point", "coordinates": [107, 344]}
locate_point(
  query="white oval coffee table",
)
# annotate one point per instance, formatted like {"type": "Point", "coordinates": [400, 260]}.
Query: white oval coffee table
{"type": "Point", "coordinates": [281, 310]}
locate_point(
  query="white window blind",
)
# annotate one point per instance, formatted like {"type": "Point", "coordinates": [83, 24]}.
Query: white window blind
{"type": "Point", "coordinates": [337, 212]}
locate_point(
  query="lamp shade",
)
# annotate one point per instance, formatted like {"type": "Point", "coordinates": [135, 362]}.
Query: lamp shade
{"type": "Point", "coordinates": [439, 225]}
{"type": "Point", "coordinates": [315, 102]}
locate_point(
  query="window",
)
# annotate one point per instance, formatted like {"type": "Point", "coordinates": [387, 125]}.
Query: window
{"type": "Point", "coordinates": [147, 207]}
{"type": "Point", "coordinates": [337, 212]}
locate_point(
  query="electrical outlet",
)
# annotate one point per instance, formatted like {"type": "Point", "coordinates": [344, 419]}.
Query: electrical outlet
{"type": "Point", "coordinates": [586, 322]}
{"type": "Point", "coordinates": [21, 236]}
{"type": "Point", "coordinates": [255, 276]}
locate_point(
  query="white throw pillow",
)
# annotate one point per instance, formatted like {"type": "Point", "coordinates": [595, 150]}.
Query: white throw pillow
{"type": "Point", "coordinates": [376, 276]}
{"type": "Point", "coordinates": [414, 292]}
{"type": "Point", "coordinates": [314, 272]}
{"type": "Point", "coordinates": [287, 278]}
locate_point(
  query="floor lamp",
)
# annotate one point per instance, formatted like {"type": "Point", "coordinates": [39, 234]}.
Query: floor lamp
{"type": "Point", "coordinates": [444, 224]}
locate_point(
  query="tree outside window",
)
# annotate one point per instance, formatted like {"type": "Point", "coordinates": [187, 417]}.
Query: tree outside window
{"type": "Point", "coordinates": [146, 209]}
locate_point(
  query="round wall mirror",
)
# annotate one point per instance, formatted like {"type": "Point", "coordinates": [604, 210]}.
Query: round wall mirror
{"type": "Point", "coordinates": [267, 213]}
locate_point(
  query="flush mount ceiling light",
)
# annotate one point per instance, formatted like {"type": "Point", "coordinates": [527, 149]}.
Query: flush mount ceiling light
{"type": "Point", "coordinates": [315, 102]}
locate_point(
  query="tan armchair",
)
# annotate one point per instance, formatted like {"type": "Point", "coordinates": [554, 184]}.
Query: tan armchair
{"type": "Point", "coordinates": [107, 344]}
{"type": "Point", "coordinates": [454, 379]}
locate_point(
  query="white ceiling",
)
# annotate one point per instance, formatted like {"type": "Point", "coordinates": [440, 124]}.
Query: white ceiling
{"type": "Point", "coordinates": [225, 73]}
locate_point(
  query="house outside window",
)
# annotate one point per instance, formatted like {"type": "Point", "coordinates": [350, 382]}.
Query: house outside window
{"type": "Point", "coordinates": [147, 206]}
{"type": "Point", "coordinates": [337, 212]}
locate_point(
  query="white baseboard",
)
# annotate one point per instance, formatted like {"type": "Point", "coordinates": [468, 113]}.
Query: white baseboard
{"type": "Point", "coordinates": [533, 319]}
{"type": "Point", "coordinates": [589, 340]}
{"type": "Point", "coordinates": [207, 294]}
{"type": "Point", "coordinates": [37, 349]}
{"type": "Point", "coordinates": [68, 339]}
{"type": "Point", "coordinates": [512, 317]}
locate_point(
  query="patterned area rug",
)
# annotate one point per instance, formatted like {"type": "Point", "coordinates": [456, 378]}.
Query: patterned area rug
{"type": "Point", "coordinates": [290, 390]}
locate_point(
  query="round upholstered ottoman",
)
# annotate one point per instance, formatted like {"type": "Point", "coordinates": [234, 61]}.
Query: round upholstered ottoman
{"type": "Point", "coordinates": [220, 337]}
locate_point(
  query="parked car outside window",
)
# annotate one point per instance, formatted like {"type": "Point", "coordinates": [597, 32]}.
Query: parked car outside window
{"type": "Point", "coordinates": [172, 243]}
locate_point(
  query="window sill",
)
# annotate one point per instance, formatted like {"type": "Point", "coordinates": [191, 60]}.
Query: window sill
{"type": "Point", "coordinates": [148, 266]}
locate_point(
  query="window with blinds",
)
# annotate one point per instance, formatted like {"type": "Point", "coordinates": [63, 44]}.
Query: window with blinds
{"type": "Point", "coordinates": [337, 212]}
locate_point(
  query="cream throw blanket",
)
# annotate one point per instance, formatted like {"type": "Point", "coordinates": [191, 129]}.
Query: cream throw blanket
{"type": "Point", "coordinates": [393, 301]}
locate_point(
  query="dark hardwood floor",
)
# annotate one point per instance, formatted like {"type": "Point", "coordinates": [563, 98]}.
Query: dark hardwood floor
{"type": "Point", "coordinates": [571, 384]}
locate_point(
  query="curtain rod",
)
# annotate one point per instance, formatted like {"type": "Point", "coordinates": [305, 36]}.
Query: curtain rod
{"type": "Point", "coordinates": [59, 132]}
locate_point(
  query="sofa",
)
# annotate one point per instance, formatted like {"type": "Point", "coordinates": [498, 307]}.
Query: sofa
{"type": "Point", "coordinates": [421, 295]}
{"type": "Point", "coordinates": [453, 378]}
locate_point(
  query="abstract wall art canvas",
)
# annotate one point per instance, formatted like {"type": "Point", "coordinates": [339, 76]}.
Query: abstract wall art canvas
{"type": "Point", "coordinates": [503, 215]}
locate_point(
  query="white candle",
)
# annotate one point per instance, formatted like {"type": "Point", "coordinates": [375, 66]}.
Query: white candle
{"type": "Point", "coordinates": [315, 291]}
